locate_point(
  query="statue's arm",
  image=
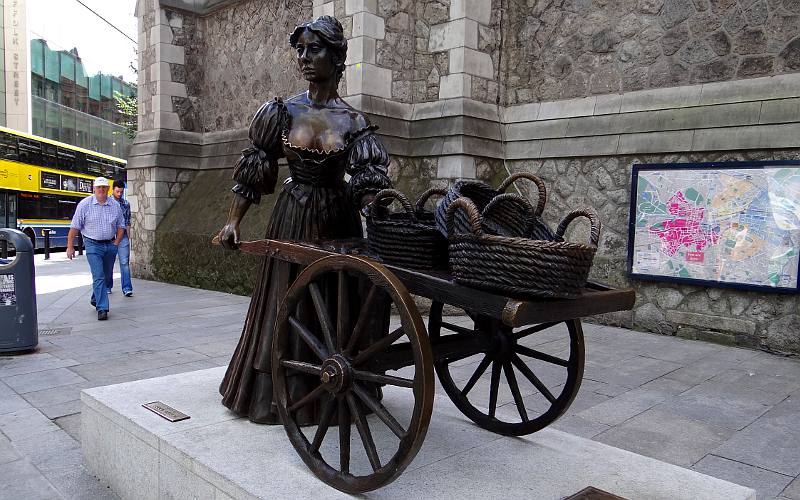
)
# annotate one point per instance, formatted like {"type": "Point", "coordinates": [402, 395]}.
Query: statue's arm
{"type": "Point", "coordinates": [368, 168]}
{"type": "Point", "coordinates": [229, 234]}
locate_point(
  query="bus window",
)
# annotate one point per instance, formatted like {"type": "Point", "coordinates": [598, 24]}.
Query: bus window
{"type": "Point", "coordinates": [8, 146]}
{"type": "Point", "coordinates": [66, 159]}
{"type": "Point", "coordinates": [28, 204]}
{"type": "Point", "coordinates": [49, 155]}
{"type": "Point", "coordinates": [80, 163]}
{"type": "Point", "coordinates": [48, 209]}
{"type": "Point", "coordinates": [93, 166]}
{"type": "Point", "coordinates": [30, 151]}
{"type": "Point", "coordinates": [108, 169]}
{"type": "Point", "coordinates": [3, 218]}
{"type": "Point", "coordinates": [8, 210]}
{"type": "Point", "coordinates": [66, 208]}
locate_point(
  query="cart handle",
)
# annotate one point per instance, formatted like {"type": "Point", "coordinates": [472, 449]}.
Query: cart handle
{"type": "Point", "coordinates": [420, 205]}
{"type": "Point", "coordinates": [475, 219]}
{"type": "Point", "coordinates": [376, 211]}
{"type": "Point", "coordinates": [594, 220]}
{"type": "Point", "coordinates": [536, 180]}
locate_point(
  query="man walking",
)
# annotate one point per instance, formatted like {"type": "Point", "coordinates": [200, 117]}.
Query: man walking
{"type": "Point", "coordinates": [99, 219]}
{"type": "Point", "coordinates": [124, 248]}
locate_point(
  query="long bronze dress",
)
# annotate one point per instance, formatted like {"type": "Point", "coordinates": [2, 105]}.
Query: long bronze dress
{"type": "Point", "coordinates": [314, 203]}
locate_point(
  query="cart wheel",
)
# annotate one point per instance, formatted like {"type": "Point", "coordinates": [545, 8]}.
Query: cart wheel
{"type": "Point", "coordinates": [541, 384]}
{"type": "Point", "coordinates": [347, 376]}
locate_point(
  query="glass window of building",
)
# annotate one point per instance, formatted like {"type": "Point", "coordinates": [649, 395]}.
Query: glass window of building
{"type": "Point", "coordinates": [70, 106]}
{"type": "Point", "coordinates": [67, 81]}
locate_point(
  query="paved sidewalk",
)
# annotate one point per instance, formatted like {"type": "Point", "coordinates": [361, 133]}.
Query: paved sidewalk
{"type": "Point", "coordinates": [727, 412]}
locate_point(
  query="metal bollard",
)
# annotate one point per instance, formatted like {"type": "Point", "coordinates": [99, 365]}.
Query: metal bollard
{"type": "Point", "coordinates": [46, 234]}
{"type": "Point", "coordinates": [80, 244]}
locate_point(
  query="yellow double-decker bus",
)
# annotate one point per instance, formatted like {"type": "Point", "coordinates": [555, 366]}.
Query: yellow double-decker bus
{"type": "Point", "coordinates": [42, 181]}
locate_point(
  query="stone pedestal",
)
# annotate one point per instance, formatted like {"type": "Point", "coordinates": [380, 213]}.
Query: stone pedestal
{"type": "Point", "coordinates": [215, 455]}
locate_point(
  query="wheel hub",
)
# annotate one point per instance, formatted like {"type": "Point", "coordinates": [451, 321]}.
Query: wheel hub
{"type": "Point", "coordinates": [336, 374]}
{"type": "Point", "coordinates": [502, 346]}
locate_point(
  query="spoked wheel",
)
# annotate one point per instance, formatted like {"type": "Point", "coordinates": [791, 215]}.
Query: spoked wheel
{"type": "Point", "coordinates": [348, 375]}
{"type": "Point", "coordinates": [512, 382]}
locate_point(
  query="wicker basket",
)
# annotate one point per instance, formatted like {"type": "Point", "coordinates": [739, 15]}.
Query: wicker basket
{"type": "Point", "coordinates": [407, 238]}
{"type": "Point", "coordinates": [520, 266]}
{"type": "Point", "coordinates": [508, 220]}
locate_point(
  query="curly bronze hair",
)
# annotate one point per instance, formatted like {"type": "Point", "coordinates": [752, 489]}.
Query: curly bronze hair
{"type": "Point", "coordinates": [330, 30]}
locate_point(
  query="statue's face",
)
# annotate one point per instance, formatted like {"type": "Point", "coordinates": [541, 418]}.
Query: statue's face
{"type": "Point", "coordinates": [314, 57]}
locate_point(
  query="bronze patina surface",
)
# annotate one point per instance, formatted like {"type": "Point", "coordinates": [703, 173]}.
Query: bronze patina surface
{"type": "Point", "coordinates": [166, 411]}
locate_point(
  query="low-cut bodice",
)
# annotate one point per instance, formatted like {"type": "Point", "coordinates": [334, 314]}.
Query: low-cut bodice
{"type": "Point", "coordinates": [320, 145]}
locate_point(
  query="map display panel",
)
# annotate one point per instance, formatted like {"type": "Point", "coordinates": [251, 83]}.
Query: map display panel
{"type": "Point", "coordinates": [733, 224]}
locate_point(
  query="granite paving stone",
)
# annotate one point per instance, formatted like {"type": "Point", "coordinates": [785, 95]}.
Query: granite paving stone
{"type": "Point", "coordinates": [606, 389]}
{"type": "Point", "coordinates": [21, 480]}
{"type": "Point", "coordinates": [723, 409]}
{"type": "Point", "coordinates": [635, 371]}
{"type": "Point", "coordinates": [7, 451]}
{"type": "Point", "coordinates": [61, 409]}
{"type": "Point", "coordinates": [793, 490]}
{"type": "Point", "coordinates": [772, 442]}
{"type": "Point", "coordinates": [616, 410]}
{"type": "Point", "coordinates": [71, 424]}
{"type": "Point", "coordinates": [578, 426]}
{"type": "Point", "coordinates": [5, 390]}
{"type": "Point", "coordinates": [37, 381]}
{"type": "Point", "coordinates": [780, 383]}
{"type": "Point", "coordinates": [670, 387]}
{"type": "Point", "coordinates": [767, 484]}
{"type": "Point", "coordinates": [31, 363]}
{"type": "Point", "coordinates": [674, 439]}
{"type": "Point", "coordinates": [55, 395]}
{"type": "Point", "coordinates": [24, 423]}
{"type": "Point", "coordinates": [11, 403]}
{"type": "Point", "coordinates": [40, 448]}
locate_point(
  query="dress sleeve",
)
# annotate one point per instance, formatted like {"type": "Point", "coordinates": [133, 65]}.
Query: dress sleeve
{"type": "Point", "coordinates": [368, 166]}
{"type": "Point", "coordinates": [256, 172]}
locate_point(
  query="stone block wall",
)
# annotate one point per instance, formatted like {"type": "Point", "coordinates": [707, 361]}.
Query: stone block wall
{"type": "Point", "coordinates": [557, 50]}
{"type": "Point", "coordinates": [576, 91]}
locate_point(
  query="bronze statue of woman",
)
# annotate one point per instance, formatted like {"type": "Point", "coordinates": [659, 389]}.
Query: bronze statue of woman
{"type": "Point", "coordinates": [322, 138]}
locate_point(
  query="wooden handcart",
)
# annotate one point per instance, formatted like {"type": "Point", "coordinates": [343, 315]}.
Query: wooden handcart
{"type": "Point", "coordinates": [405, 359]}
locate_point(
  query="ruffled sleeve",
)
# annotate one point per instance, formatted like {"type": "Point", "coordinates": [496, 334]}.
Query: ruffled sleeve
{"type": "Point", "coordinates": [368, 167]}
{"type": "Point", "coordinates": [256, 172]}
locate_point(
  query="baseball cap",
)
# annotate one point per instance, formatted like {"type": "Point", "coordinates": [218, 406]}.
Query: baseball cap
{"type": "Point", "coordinates": [100, 181]}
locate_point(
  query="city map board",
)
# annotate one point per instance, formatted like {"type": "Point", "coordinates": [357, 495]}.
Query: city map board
{"type": "Point", "coordinates": [729, 224]}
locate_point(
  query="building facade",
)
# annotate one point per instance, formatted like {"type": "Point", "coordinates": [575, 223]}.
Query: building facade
{"type": "Point", "coordinates": [70, 106]}
{"type": "Point", "coordinates": [577, 92]}
{"type": "Point", "coordinates": [48, 92]}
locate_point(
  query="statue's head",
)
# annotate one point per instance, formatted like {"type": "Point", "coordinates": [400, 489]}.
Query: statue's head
{"type": "Point", "coordinates": [321, 48]}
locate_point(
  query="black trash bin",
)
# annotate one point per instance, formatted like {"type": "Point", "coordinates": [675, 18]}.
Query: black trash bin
{"type": "Point", "coordinates": [18, 321]}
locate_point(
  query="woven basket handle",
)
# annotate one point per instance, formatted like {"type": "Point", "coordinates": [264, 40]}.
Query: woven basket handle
{"type": "Point", "coordinates": [594, 220]}
{"type": "Point", "coordinates": [504, 198]}
{"type": "Point", "coordinates": [475, 219]}
{"type": "Point", "coordinates": [420, 206]}
{"type": "Point", "coordinates": [539, 184]}
{"type": "Point", "coordinates": [393, 194]}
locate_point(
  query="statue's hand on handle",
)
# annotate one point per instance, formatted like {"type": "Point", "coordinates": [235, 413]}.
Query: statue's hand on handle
{"type": "Point", "coordinates": [228, 236]}
{"type": "Point", "coordinates": [366, 201]}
